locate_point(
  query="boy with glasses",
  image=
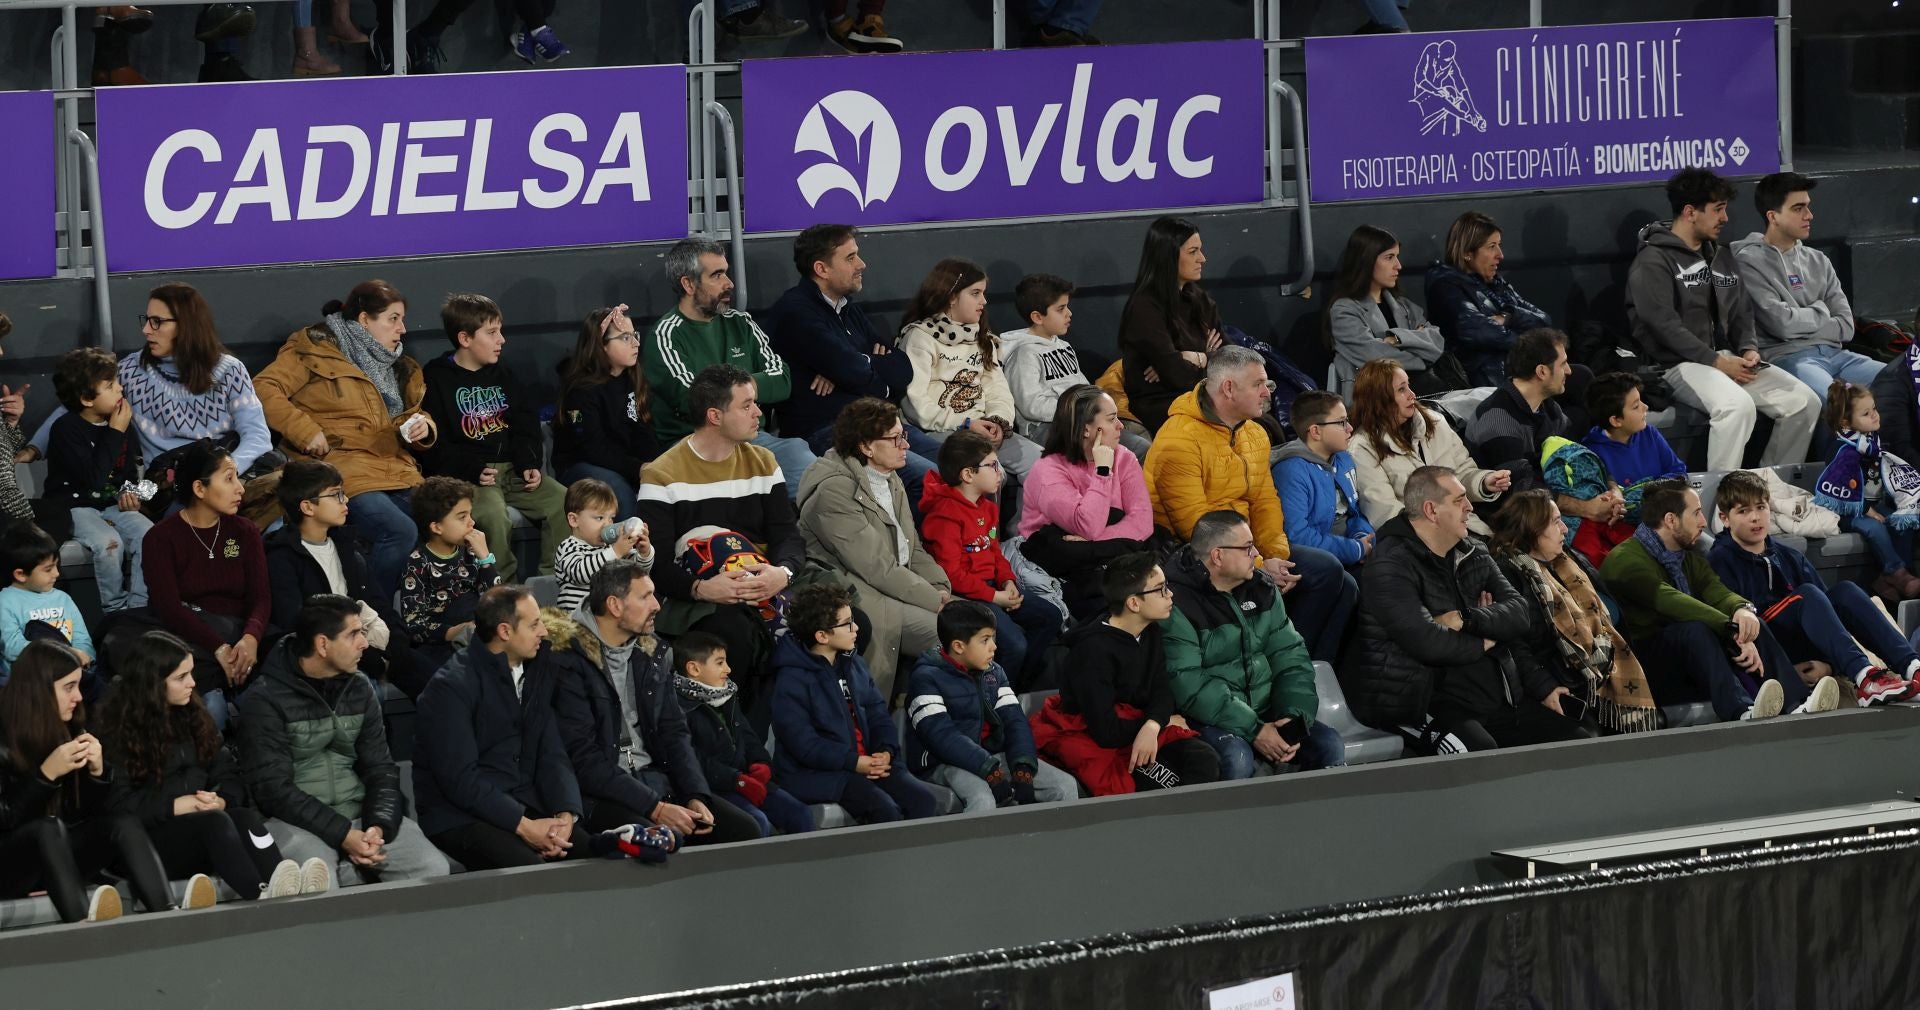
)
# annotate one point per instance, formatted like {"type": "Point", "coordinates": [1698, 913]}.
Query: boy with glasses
{"type": "Point", "coordinates": [315, 552]}
{"type": "Point", "coordinates": [1315, 479]}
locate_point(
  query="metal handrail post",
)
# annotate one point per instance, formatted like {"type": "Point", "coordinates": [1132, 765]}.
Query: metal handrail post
{"type": "Point", "coordinates": [1783, 63]}
{"type": "Point", "coordinates": [1534, 15]}
{"type": "Point", "coordinates": [709, 92]}
{"type": "Point", "coordinates": [999, 24]}
{"type": "Point", "coordinates": [1299, 133]}
{"type": "Point", "coordinates": [67, 117]}
{"type": "Point", "coordinates": [1266, 23]}
{"type": "Point", "coordinates": [399, 41]}
{"type": "Point", "coordinates": [102, 297]}
{"type": "Point", "coordinates": [734, 215]}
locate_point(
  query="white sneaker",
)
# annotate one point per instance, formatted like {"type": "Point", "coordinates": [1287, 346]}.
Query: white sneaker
{"type": "Point", "coordinates": [1767, 702]}
{"type": "Point", "coordinates": [104, 905]}
{"type": "Point", "coordinates": [285, 882]}
{"type": "Point", "coordinates": [1825, 697]}
{"type": "Point", "coordinates": [200, 892]}
{"type": "Point", "coordinates": [316, 876]}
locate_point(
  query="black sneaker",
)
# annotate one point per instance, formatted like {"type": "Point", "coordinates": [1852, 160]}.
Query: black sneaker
{"type": "Point", "coordinates": [223, 21]}
{"type": "Point", "coordinates": [761, 23]}
{"type": "Point", "coordinates": [424, 55]}
{"type": "Point", "coordinates": [1053, 35]}
{"type": "Point", "coordinates": [379, 46]}
{"type": "Point", "coordinates": [223, 68]}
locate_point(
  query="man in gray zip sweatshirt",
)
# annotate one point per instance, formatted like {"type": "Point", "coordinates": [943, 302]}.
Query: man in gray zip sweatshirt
{"type": "Point", "coordinates": [1691, 317]}
{"type": "Point", "coordinates": [1804, 319]}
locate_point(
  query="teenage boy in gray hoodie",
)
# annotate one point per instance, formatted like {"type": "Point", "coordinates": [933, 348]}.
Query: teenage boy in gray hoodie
{"type": "Point", "coordinates": [1804, 319]}
{"type": "Point", "coordinates": [1041, 366]}
{"type": "Point", "coordinates": [1691, 317]}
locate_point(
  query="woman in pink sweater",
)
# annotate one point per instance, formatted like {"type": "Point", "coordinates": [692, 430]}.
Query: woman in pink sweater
{"type": "Point", "coordinates": [1085, 501]}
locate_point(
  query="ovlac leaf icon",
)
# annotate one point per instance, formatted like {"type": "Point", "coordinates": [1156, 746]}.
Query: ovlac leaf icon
{"type": "Point", "coordinates": [855, 131]}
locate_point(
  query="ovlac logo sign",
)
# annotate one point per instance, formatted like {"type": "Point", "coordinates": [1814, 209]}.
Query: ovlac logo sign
{"type": "Point", "coordinates": [867, 141]}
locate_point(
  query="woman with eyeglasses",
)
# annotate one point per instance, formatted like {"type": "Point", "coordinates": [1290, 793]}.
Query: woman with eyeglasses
{"type": "Point", "coordinates": [603, 423]}
{"type": "Point", "coordinates": [957, 379]}
{"type": "Point", "coordinates": [853, 513]}
{"type": "Point", "coordinates": [343, 390]}
{"type": "Point", "coordinates": [1087, 502]}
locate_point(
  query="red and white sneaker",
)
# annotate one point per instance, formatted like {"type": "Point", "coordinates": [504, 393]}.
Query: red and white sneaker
{"type": "Point", "coordinates": [1881, 687]}
{"type": "Point", "coordinates": [1911, 694]}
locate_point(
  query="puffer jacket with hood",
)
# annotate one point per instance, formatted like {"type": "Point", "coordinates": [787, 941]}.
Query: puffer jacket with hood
{"type": "Point", "coordinates": [1798, 304]}
{"type": "Point", "coordinates": [313, 387]}
{"type": "Point", "coordinates": [953, 382]}
{"type": "Point", "coordinates": [964, 537]}
{"type": "Point", "coordinates": [1235, 659]}
{"type": "Point", "coordinates": [1463, 305]}
{"type": "Point", "coordinates": [1687, 304]}
{"type": "Point", "coordinates": [1199, 465]}
{"type": "Point", "coordinates": [1310, 486]}
{"type": "Point", "coordinates": [1401, 662]}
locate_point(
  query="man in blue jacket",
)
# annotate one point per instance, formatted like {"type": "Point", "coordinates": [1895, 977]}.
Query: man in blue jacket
{"type": "Point", "coordinates": [836, 353]}
{"type": "Point", "coordinates": [490, 774]}
{"type": "Point", "coordinates": [1810, 621]}
{"type": "Point", "coordinates": [1314, 475]}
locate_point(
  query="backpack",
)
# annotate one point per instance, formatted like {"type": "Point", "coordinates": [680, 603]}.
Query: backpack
{"type": "Point", "coordinates": [1288, 379]}
{"type": "Point", "coordinates": [1593, 346]}
{"type": "Point", "coordinates": [1879, 340]}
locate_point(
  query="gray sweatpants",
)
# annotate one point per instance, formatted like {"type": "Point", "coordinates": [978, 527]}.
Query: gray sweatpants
{"type": "Point", "coordinates": [409, 857]}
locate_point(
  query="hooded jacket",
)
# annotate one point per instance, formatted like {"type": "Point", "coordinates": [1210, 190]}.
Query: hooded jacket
{"type": "Point", "coordinates": [313, 387]}
{"type": "Point", "coordinates": [1109, 668]}
{"type": "Point", "coordinates": [1310, 486]}
{"type": "Point", "coordinates": [589, 714]}
{"type": "Point", "coordinates": [964, 538]}
{"type": "Point", "coordinates": [1198, 465]}
{"type": "Point", "coordinates": [600, 425]}
{"type": "Point", "coordinates": [820, 730]}
{"type": "Point", "coordinates": [1686, 304]}
{"type": "Point", "coordinates": [820, 341]}
{"type": "Point", "coordinates": [485, 416]}
{"type": "Point", "coordinates": [1762, 579]}
{"type": "Point", "coordinates": [483, 755]}
{"type": "Point", "coordinates": [953, 383]}
{"type": "Point", "coordinates": [1463, 304]}
{"type": "Point", "coordinates": [965, 719]}
{"type": "Point", "coordinates": [1401, 662]}
{"type": "Point", "coordinates": [316, 755]}
{"type": "Point", "coordinates": [723, 741]}
{"type": "Point", "coordinates": [1039, 370]}
{"type": "Point", "coordinates": [1798, 304]}
{"type": "Point", "coordinates": [1235, 659]}
{"type": "Point", "coordinates": [295, 575]}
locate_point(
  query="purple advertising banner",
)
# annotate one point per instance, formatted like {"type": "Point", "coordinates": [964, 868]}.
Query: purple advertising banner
{"type": "Point", "coordinates": [285, 171]}
{"type": "Point", "coordinates": [1392, 116]}
{"type": "Point", "coordinates": [26, 215]}
{"type": "Point", "coordinates": [949, 136]}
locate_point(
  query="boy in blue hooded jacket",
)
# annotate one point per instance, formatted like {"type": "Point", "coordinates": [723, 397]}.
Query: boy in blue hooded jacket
{"type": "Point", "coordinates": [1314, 475]}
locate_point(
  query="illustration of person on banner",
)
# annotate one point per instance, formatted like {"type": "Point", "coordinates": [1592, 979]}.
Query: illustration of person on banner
{"type": "Point", "coordinates": [1441, 92]}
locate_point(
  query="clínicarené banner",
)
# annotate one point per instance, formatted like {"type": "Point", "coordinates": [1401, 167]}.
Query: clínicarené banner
{"type": "Point", "coordinates": [1393, 116]}
{"type": "Point", "coordinates": [952, 136]}
{"type": "Point", "coordinates": [288, 171]}
{"type": "Point", "coordinates": [26, 215]}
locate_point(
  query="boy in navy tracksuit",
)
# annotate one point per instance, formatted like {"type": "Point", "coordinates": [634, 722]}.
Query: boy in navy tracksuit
{"type": "Point", "coordinates": [833, 740]}
{"type": "Point", "coordinates": [1810, 621]}
{"type": "Point", "coordinates": [969, 731]}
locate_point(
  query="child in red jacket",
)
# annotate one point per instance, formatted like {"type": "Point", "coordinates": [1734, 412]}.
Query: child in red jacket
{"type": "Point", "coordinates": [960, 525]}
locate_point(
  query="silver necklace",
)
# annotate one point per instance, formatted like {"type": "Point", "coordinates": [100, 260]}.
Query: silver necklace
{"type": "Point", "coordinates": [203, 543]}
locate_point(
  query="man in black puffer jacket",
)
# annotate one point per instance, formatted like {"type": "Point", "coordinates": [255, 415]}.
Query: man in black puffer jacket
{"type": "Point", "coordinates": [1434, 609]}
{"type": "Point", "coordinates": [315, 754]}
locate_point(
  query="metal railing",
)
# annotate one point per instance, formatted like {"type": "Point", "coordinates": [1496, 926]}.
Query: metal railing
{"type": "Point", "coordinates": [735, 228]}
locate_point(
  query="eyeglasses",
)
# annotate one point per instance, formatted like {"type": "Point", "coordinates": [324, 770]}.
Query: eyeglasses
{"type": "Point", "coordinates": [989, 464]}
{"type": "Point", "coordinates": [626, 337]}
{"type": "Point", "coordinates": [897, 438]}
{"type": "Point", "coordinates": [848, 623]}
{"type": "Point", "coordinates": [155, 321]}
{"type": "Point", "coordinates": [1253, 550]}
{"type": "Point", "coordinates": [1160, 590]}
{"type": "Point", "coordinates": [339, 496]}
{"type": "Point", "coordinates": [1343, 422]}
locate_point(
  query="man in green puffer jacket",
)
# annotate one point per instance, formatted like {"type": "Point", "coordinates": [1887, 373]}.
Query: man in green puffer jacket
{"type": "Point", "coordinates": [314, 752]}
{"type": "Point", "coordinates": [1241, 674]}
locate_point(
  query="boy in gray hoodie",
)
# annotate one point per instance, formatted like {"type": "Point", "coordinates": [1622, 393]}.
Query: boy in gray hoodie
{"type": "Point", "coordinates": [1041, 366]}
{"type": "Point", "coordinates": [1803, 316]}
{"type": "Point", "coordinates": [1690, 316]}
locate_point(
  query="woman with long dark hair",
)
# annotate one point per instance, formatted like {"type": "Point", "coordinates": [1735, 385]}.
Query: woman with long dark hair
{"type": "Point", "coordinates": [1367, 319]}
{"type": "Point", "coordinates": [1087, 501]}
{"type": "Point", "coordinates": [55, 832]}
{"type": "Point", "coordinates": [1170, 323]}
{"type": "Point", "coordinates": [1395, 434]}
{"type": "Point", "coordinates": [602, 425]}
{"type": "Point", "coordinates": [1474, 304]}
{"type": "Point", "coordinates": [171, 771]}
{"type": "Point", "coordinates": [344, 390]}
{"type": "Point", "coordinates": [957, 379]}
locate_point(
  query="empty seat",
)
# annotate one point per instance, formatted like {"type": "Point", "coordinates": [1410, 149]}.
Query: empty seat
{"type": "Point", "coordinates": [545, 589]}
{"type": "Point", "coordinates": [1364, 743]}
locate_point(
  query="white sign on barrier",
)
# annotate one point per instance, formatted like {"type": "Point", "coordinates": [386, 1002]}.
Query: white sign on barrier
{"type": "Point", "coordinates": [1275, 992]}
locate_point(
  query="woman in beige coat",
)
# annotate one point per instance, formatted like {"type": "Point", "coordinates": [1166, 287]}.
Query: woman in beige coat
{"type": "Point", "coordinates": [853, 513]}
{"type": "Point", "coordinates": [1395, 435]}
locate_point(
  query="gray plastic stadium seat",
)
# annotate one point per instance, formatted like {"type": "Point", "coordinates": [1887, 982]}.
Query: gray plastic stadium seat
{"type": "Point", "coordinates": [545, 589]}
{"type": "Point", "coordinates": [1364, 743]}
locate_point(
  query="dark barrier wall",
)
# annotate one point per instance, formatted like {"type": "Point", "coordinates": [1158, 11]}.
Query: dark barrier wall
{"type": "Point", "coordinates": [863, 897]}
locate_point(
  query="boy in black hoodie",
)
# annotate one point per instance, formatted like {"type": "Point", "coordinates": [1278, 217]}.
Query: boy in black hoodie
{"type": "Point", "coordinates": [490, 433]}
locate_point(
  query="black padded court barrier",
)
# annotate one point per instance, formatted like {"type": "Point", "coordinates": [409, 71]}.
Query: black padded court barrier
{"type": "Point", "coordinates": [870, 897]}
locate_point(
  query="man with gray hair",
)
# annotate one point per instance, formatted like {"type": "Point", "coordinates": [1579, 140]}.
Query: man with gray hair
{"type": "Point", "coordinates": [1431, 659]}
{"type": "Point", "coordinates": [705, 329]}
{"type": "Point", "coordinates": [1213, 455]}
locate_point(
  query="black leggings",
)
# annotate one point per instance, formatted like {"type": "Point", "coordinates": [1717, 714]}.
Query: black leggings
{"type": "Point", "coordinates": [47, 853]}
{"type": "Point", "coordinates": [1527, 723]}
{"type": "Point", "coordinates": [478, 846]}
{"type": "Point", "coordinates": [215, 842]}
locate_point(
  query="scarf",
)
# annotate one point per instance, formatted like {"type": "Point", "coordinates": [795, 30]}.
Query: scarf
{"type": "Point", "coordinates": [371, 357]}
{"type": "Point", "coordinates": [1842, 486]}
{"type": "Point", "coordinates": [1902, 483]}
{"type": "Point", "coordinates": [706, 694]}
{"type": "Point", "coordinates": [1616, 687]}
{"type": "Point", "coordinates": [1672, 561]}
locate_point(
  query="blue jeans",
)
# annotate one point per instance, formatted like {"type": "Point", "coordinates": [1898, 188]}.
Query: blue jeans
{"type": "Point", "coordinates": [1892, 548]}
{"type": "Point", "coordinates": [1321, 603]}
{"type": "Point", "coordinates": [780, 810]}
{"type": "Point", "coordinates": [114, 537]}
{"type": "Point", "coordinates": [1024, 635]}
{"type": "Point", "coordinates": [623, 491]}
{"type": "Point", "coordinates": [1075, 16]}
{"type": "Point", "coordinates": [1388, 12]}
{"type": "Point", "coordinates": [1819, 366]}
{"type": "Point", "coordinates": [1322, 748]}
{"type": "Point", "coordinates": [1826, 623]}
{"type": "Point", "coordinates": [385, 522]}
{"type": "Point", "coordinates": [793, 455]}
